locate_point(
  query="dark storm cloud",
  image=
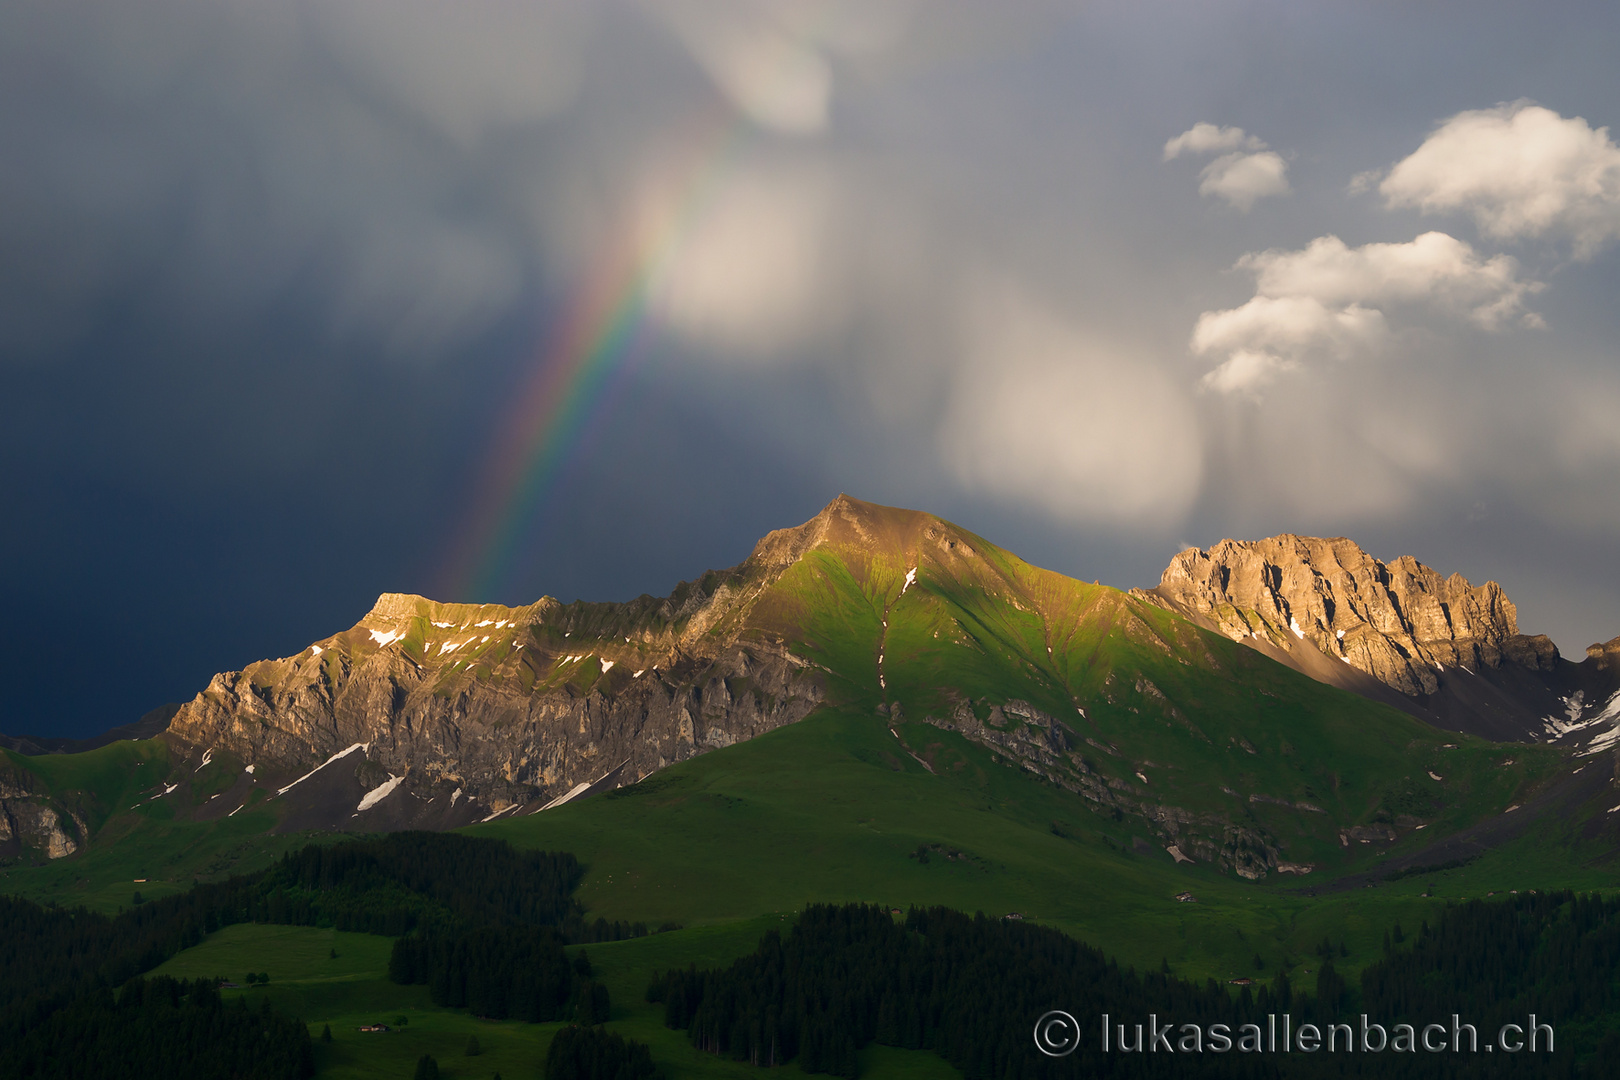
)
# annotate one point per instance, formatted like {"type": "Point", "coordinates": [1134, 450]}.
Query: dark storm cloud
{"type": "Point", "coordinates": [209, 162]}
{"type": "Point", "coordinates": [268, 272]}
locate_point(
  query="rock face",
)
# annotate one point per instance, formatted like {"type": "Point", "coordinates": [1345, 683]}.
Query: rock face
{"type": "Point", "coordinates": [1399, 622]}
{"type": "Point", "coordinates": [31, 820]}
{"type": "Point", "coordinates": [1440, 648]}
{"type": "Point", "coordinates": [1032, 740]}
{"type": "Point", "coordinates": [514, 706]}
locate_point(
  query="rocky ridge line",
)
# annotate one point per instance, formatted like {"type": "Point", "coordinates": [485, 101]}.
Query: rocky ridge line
{"type": "Point", "coordinates": [512, 706]}
{"type": "Point", "coordinates": [1399, 622]}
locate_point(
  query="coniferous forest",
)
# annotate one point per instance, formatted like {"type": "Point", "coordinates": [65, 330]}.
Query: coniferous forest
{"type": "Point", "coordinates": [424, 883]}
{"type": "Point", "coordinates": [591, 1053]}
{"type": "Point", "coordinates": [970, 987]}
{"type": "Point", "coordinates": [486, 928]}
{"type": "Point", "coordinates": [160, 1027]}
{"type": "Point", "coordinates": [501, 972]}
{"type": "Point", "coordinates": [482, 924]}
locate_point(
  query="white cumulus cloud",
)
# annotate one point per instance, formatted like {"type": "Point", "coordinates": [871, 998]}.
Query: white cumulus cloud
{"type": "Point", "coordinates": [1240, 179]}
{"type": "Point", "coordinates": [1330, 300]}
{"type": "Point", "coordinates": [1245, 371]}
{"type": "Point", "coordinates": [1288, 327]}
{"type": "Point", "coordinates": [1246, 170]}
{"type": "Point", "coordinates": [1206, 138]}
{"type": "Point", "coordinates": [1434, 268]}
{"type": "Point", "coordinates": [1521, 170]}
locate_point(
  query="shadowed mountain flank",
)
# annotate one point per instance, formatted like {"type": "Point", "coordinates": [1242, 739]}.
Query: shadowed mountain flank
{"type": "Point", "coordinates": [152, 723]}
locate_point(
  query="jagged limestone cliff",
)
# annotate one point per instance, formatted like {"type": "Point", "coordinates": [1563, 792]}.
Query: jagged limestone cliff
{"type": "Point", "coordinates": [1398, 622]}
{"type": "Point", "coordinates": [513, 704]}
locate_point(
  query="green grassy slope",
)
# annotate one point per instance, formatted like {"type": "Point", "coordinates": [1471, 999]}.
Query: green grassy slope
{"type": "Point", "coordinates": [98, 784]}
{"type": "Point", "coordinates": [131, 836]}
{"type": "Point", "coordinates": [351, 989]}
{"type": "Point", "coordinates": [835, 809]}
{"type": "Point", "coordinates": [1216, 745]}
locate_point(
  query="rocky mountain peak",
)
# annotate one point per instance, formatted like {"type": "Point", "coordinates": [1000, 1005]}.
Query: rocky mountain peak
{"type": "Point", "coordinates": [1400, 622]}
{"type": "Point", "coordinates": [853, 525]}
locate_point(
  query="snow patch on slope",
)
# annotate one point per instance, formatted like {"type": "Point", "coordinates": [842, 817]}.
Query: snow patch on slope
{"type": "Point", "coordinates": [574, 792]}
{"type": "Point", "coordinates": [379, 793]}
{"type": "Point", "coordinates": [1610, 715]}
{"type": "Point", "coordinates": [1604, 723]}
{"type": "Point", "coordinates": [362, 747]}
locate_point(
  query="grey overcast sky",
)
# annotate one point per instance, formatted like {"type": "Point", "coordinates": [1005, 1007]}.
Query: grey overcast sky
{"type": "Point", "coordinates": [305, 301]}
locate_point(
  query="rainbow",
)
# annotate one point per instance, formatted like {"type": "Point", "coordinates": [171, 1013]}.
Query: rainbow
{"type": "Point", "coordinates": [604, 323]}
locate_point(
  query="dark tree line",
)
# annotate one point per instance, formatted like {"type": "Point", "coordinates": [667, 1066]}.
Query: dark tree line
{"type": "Point", "coordinates": [409, 881]}
{"type": "Point", "coordinates": [390, 885]}
{"type": "Point", "coordinates": [432, 886]}
{"type": "Point", "coordinates": [586, 1053]}
{"type": "Point", "coordinates": [970, 988]}
{"type": "Point", "coordinates": [1555, 954]}
{"type": "Point", "coordinates": [503, 973]}
{"type": "Point", "coordinates": [160, 1027]}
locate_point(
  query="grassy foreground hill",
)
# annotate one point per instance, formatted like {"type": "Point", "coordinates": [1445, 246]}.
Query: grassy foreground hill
{"type": "Point", "coordinates": [735, 843]}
